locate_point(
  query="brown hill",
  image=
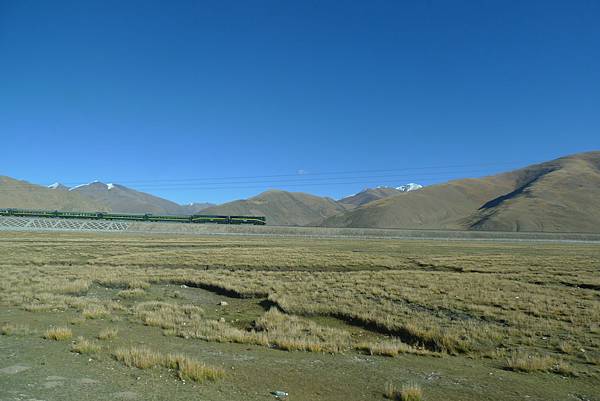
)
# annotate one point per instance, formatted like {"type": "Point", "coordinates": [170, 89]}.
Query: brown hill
{"type": "Point", "coordinates": [118, 198]}
{"type": "Point", "coordinates": [563, 196]}
{"type": "Point", "coordinates": [21, 194]}
{"type": "Point", "coordinates": [560, 195]}
{"type": "Point", "coordinates": [282, 208]}
{"type": "Point", "coordinates": [368, 195]}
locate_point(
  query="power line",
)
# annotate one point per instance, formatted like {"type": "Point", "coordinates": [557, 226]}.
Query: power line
{"type": "Point", "coordinates": [309, 181]}
{"type": "Point", "coordinates": [332, 173]}
{"type": "Point", "coordinates": [363, 180]}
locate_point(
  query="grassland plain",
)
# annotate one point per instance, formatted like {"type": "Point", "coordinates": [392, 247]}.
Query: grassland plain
{"type": "Point", "coordinates": [233, 318]}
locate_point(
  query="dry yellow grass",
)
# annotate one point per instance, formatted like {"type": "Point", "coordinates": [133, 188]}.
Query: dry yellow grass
{"type": "Point", "coordinates": [391, 347]}
{"type": "Point", "coordinates": [58, 333]}
{"type": "Point", "coordinates": [391, 392]}
{"type": "Point", "coordinates": [566, 347]}
{"type": "Point", "coordinates": [108, 333]}
{"type": "Point", "coordinates": [411, 392]}
{"type": "Point", "coordinates": [187, 368]}
{"type": "Point", "coordinates": [85, 346]}
{"type": "Point", "coordinates": [408, 392]}
{"type": "Point", "coordinates": [74, 287]}
{"type": "Point", "coordinates": [530, 363]}
{"type": "Point", "coordinates": [167, 315]}
{"type": "Point", "coordinates": [294, 333]}
{"type": "Point", "coordinates": [139, 357]}
{"type": "Point", "coordinates": [450, 297]}
{"type": "Point", "coordinates": [95, 312]}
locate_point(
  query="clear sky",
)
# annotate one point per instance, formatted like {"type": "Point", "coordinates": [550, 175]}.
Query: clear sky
{"type": "Point", "coordinates": [177, 97]}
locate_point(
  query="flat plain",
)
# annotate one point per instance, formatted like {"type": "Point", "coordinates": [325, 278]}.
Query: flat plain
{"type": "Point", "coordinates": [171, 317]}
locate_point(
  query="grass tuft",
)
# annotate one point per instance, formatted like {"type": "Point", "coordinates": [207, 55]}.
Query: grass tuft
{"type": "Point", "coordinates": [408, 392]}
{"type": "Point", "coordinates": [94, 312]}
{"type": "Point", "coordinates": [84, 346]}
{"type": "Point", "coordinates": [139, 357]}
{"type": "Point", "coordinates": [391, 392]}
{"type": "Point", "coordinates": [187, 369]}
{"type": "Point", "coordinates": [108, 333]}
{"type": "Point", "coordinates": [58, 333]}
{"type": "Point", "coordinates": [391, 348]}
{"type": "Point", "coordinates": [529, 363]}
{"type": "Point", "coordinates": [411, 392]}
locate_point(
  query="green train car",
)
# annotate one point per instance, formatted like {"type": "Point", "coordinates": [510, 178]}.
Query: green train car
{"type": "Point", "coordinates": [194, 219]}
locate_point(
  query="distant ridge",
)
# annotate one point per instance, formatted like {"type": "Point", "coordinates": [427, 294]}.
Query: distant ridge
{"type": "Point", "coordinates": [21, 194]}
{"type": "Point", "coordinates": [282, 208]}
{"type": "Point", "coordinates": [559, 195]}
{"type": "Point", "coordinates": [93, 196]}
{"type": "Point", "coordinates": [118, 198]}
{"type": "Point", "coordinates": [372, 194]}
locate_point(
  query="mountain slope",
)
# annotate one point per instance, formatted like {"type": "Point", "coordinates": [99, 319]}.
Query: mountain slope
{"type": "Point", "coordinates": [565, 197]}
{"type": "Point", "coordinates": [372, 194]}
{"type": "Point", "coordinates": [21, 194]}
{"type": "Point", "coordinates": [282, 208]}
{"type": "Point", "coordinates": [196, 207]}
{"type": "Point", "coordinates": [368, 195]}
{"type": "Point", "coordinates": [560, 195]}
{"type": "Point", "coordinates": [118, 198]}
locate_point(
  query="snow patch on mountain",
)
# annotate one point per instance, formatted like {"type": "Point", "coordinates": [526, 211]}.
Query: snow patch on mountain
{"type": "Point", "coordinates": [409, 187]}
{"type": "Point", "coordinates": [85, 185]}
{"type": "Point", "coordinates": [404, 188]}
{"type": "Point", "coordinates": [55, 185]}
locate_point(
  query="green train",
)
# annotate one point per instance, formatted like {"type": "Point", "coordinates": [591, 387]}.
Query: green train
{"type": "Point", "coordinates": [195, 218]}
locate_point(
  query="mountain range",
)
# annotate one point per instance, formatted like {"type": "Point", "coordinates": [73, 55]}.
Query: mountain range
{"type": "Point", "coordinates": [558, 195]}
{"type": "Point", "coordinates": [283, 208]}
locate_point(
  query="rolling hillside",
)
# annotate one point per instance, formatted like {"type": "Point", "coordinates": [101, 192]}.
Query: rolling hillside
{"type": "Point", "coordinates": [21, 194]}
{"type": "Point", "coordinates": [95, 196]}
{"type": "Point", "coordinates": [564, 195]}
{"type": "Point", "coordinates": [118, 198]}
{"type": "Point", "coordinates": [560, 195]}
{"type": "Point", "coordinates": [372, 194]}
{"type": "Point", "coordinates": [282, 208]}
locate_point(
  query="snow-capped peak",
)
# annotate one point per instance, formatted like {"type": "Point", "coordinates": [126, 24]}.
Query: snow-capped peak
{"type": "Point", "coordinates": [78, 186]}
{"type": "Point", "coordinates": [409, 187]}
{"type": "Point", "coordinates": [84, 185]}
{"type": "Point", "coordinates": [55, 185]}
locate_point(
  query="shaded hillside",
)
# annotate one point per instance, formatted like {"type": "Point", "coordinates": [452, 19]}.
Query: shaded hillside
{"type": "Point", "coordinates": [118, 198]}
{"type": "Point", "coordinates": [21, 194]}
{"type": "Point", "coordinates": [565, 196]}
{"type": "Point", "coordinates": [282, 208]}
{"type": "Point", "coordinates": [560, 195]}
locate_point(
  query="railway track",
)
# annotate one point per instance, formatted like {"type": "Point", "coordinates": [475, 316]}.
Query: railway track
{"type": "Point", "coordinates": [11, 223]}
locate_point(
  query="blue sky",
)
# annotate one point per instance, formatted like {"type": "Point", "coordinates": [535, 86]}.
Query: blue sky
{"type": "Point", "coordinates": [213, 101]}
